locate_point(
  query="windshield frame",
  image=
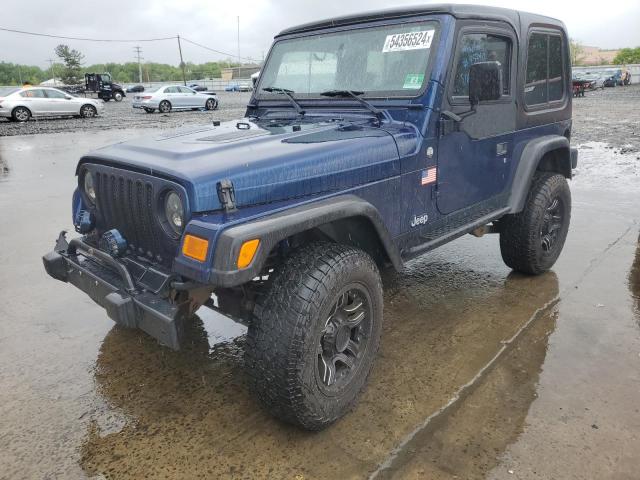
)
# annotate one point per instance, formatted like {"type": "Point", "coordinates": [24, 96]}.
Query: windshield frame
{"type": "Point", "coordinates": [390, 95]}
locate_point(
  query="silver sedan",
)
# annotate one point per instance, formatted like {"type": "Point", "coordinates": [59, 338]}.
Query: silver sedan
{"type": "Point", "coordinates": [20, 104]}
{"type": "Point", "coordinates": [174, 97]}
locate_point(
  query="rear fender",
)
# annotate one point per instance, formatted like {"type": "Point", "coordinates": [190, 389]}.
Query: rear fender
{"type": "Point", "coordinates": [549, 153]}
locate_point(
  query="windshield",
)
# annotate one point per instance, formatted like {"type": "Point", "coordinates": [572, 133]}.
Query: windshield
{"type": "Point", "coordinates": [5, 92]}
{"type": "Point", "coordinates": [388, 61]}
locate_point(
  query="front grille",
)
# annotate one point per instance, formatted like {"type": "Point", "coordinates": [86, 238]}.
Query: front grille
{"type": "Point", "coordinates": [130, 202]}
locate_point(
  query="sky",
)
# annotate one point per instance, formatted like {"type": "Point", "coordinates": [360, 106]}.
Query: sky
{"type": "Point", "coordinates": [214, 24]}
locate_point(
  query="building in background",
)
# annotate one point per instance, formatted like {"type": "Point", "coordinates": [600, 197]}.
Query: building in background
{"type": "Point", "coordinates": [239, 72]}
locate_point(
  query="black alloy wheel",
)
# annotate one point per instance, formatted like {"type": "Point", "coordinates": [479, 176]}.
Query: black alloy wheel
{"type": "Point", "coordinates": [344, 339]}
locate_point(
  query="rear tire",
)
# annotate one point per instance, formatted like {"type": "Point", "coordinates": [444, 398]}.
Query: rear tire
{"type": "Point", "coordinates": [164, 107]}
{"type": "Point", "coordinates": [531, 241]}
{"type": "Point", "coordinates": [21, 114]}
{"type": "Point", "coordinates": [315, 333]}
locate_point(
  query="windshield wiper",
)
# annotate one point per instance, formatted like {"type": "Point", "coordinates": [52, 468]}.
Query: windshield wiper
{"type": "Point", "coordinates": [287, 93]}
{"type": "Point", "coordinates": [354, 94]}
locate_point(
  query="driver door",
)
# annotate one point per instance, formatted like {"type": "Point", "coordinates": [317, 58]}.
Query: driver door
{"type": "Point", "coordinates": [475, 155]}
{"type": "Point", "coordinates": [59, 104]}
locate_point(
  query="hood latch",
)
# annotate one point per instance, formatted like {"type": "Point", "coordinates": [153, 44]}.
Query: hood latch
{"type": "Point", "coordinates": [226, 194]}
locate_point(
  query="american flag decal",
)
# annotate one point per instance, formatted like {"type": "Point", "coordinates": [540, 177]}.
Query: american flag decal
{"type": "Point", "coordinates": [428, 176]}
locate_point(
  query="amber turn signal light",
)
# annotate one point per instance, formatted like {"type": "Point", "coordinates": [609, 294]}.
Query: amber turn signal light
{"type": "Point", "coordinates": [195, 247]}
{"type": "Point", "coordinates": [247, 252]}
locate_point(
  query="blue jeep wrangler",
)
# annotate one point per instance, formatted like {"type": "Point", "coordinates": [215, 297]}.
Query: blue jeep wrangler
{"type": "Point", "coordinates": [369, 140]}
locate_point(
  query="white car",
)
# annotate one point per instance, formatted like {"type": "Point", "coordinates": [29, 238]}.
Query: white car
{"type": "Point", "coordinates": [20, 104]}
{"type": "Point", "coordinates": [174, 97]}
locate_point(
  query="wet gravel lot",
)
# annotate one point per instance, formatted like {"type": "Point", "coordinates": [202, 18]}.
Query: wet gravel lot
{"type": "Point", "coordinates": [122, 116]}
{"type": "Point", "coordinates": [482, 373]}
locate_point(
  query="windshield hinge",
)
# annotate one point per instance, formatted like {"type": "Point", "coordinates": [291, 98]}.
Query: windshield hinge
{"type": "Point", "coordinates": [226, 194]}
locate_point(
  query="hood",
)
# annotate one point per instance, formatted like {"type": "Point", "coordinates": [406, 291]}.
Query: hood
{"type": "Point", "coordinates": [266, 161]}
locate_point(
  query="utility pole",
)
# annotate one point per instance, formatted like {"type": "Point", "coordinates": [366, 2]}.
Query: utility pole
{"type": "Point", "coordinates": [50, 60]}
{"type": "Point", "coordinates": [138, 51]}
{"type": "Point", "coordinates": [239, 46]}
{"type": "Point", "coordinates": [184, 77]}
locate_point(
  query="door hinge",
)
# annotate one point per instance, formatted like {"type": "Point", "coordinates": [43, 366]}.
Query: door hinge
{"type": "Point", "coordinates": [226, 194]}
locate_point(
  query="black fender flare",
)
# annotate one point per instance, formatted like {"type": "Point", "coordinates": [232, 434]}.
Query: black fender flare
{"type": "Point", "coordinates": [274, 228]}
{"type": "Point", "coordinates": [530, 158]}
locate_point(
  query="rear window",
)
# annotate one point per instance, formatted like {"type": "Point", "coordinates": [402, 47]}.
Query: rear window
{"type": "Point", "coordinates": [5, 92]}
{"type": "Point", "coordinates": [545, 79]}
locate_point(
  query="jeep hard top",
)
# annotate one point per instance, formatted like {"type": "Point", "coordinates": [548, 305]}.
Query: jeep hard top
{"type": "Point", "coordinates": [369, 139]}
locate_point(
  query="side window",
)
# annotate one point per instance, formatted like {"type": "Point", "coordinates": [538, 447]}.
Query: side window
{"type": "Point", "coordinates": [545, 70]}
{"type": "Point", "coordinates": [33, 93]}
{"type": "Point", "coordinates": [185, 90]}
{"type": "Point", "coordinates": [54, 94]}
{"type": "Point", "coordinates": [556, 78]}
{"type": "Point", "coordinates": [481, 47]}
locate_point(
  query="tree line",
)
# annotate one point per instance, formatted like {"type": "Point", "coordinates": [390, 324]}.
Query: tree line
{"type": "Point", "coordinates": [17, 74]}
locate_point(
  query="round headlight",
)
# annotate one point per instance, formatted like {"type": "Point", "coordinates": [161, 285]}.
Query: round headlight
{"type": "Point", "coordinates": [174, 212]}
{"type": "Point", "coordinates": [89, 189]}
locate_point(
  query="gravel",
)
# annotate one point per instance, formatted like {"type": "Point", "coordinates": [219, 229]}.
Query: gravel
{"type": "Point", "coordinates": [610, 116]}
{"type": "Point", "coordinates": [120, 115]}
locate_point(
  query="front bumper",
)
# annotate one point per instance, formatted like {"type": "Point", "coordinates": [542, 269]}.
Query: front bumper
{"type": "Point", "coordinates": [131, 296]}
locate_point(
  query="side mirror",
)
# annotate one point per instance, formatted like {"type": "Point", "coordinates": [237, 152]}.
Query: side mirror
{"type": "Point", "coordinates": [68, 97]}
{"type": "Point", "coordinates": [485, 82]}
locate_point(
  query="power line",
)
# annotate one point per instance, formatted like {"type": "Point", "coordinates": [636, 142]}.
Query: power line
{"type": "Point", "coordinates": [86, 39]}
{"type": "Point", "coordinates": [214, 50]}
{"type": "Point", "coordinates": [114, 40]}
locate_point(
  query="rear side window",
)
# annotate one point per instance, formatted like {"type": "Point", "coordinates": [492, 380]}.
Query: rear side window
{"type": "Point", "coordinates": [33, 93]}
{"type": "Point", "coordinates": [481, 47]}
{"type": "Point", "coordinates": [545, 69]}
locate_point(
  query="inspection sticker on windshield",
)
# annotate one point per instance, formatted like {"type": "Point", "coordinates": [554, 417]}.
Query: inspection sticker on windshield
{"type": "Point", "coordinates": [413, 81]}
{"type": "Point", "coordinates": [408, 41]}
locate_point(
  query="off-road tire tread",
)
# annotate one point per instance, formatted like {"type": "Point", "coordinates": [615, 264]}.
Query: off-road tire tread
{"type": "Point", "coordinates": [519, 241]}
{"type": "Point", "coordinates": [282, 315]}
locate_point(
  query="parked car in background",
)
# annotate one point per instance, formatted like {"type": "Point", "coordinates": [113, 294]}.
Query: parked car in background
{"type": "Point", "coordinates": [238, 87]}
{"type": "Point", "coordinates": [20, 104]}
{"type": "Point", "coordinates": [135, 89]}
{"type": "Point", "coordinates": [595, 79]}
{"type": "Point", "coordinates": [610, 77]}
{"type": "Point", "coordinates": [174, 97]}
{"type": "Point", "coordinates": [197, 88]}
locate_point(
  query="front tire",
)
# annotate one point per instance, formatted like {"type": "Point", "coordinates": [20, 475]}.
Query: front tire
{"type": "Point", "coordinates": [149, 110]}
{"type": "Point", "coordinates": [531, 241]}
{"type": "Point", "coordinates": [164, 107]}
{"type": "Point", "coordinates": [211, 104]}
{"type": "Point", "coordinates": [88, 111]}
{"type": "Point", "coordinates": [117, 96]}
{"type": "Point", "coordinates": [315, 333]}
